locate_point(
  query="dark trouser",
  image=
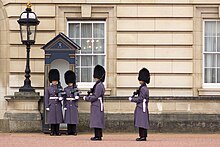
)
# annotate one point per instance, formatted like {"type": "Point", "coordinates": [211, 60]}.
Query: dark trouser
{"type": "Point", "coordinates": [71, 129]}
{"type": "Point", "coordinates": [98, 132]}
{"type": "Point", "coordinates": [55, 129]}
{"type": "Point", "coordinates": [142, 133]}
{"type": "Point", "coordinates": [52, 129]}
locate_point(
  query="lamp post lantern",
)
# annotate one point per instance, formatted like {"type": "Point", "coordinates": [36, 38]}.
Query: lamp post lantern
{"type": "Point", "coordinates": [28, 25]}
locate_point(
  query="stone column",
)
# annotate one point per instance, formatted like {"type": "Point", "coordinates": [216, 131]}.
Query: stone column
{"type": "Point", "coordinates": [23, 113]}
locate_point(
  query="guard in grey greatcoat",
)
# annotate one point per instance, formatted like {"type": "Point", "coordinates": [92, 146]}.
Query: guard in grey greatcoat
{"type": "Point", "coordinates": [53, 102]}
{"type": "Point", "coordinates": [71, 103]}
{"type": "Point", "coordinates": [97, 103]}
{"type": "Point", "coordinates": [141, 114]}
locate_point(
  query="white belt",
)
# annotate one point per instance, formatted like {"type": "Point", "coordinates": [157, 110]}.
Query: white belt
{"type": "Point", "coordinates": [100, 99]}
{"type": "Point", "coordinates": [54, 98]}
{"type": "Point", "coordinates": [144, 105]}
{"type": "Point", "coordinates": [70, 99]}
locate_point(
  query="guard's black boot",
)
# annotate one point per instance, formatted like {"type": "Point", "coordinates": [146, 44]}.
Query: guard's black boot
{"type": "Point", "coordinates": [141, 139]}
{"type": "Point", "coordinates": [58, 130]}
{"type": "Point", "coordinates": [142, 134]}
{"type": "Point", "coordinates": [52, 130]}
{"type": "Point", "coordinates": [95, 138]}
{"type": "Point", "coordinates": [98, 136]}
{"type": "Point", "coordinates": [74, 130]}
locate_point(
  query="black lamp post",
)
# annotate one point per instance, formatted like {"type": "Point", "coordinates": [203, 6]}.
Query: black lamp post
{"type": "Point", "coordinates": [28, 24]}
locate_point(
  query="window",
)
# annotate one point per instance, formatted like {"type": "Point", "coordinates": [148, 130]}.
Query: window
{"type": "Point", "coordinates": [90, 36]}
{"type": "Point", "coordinates": [211, 53]}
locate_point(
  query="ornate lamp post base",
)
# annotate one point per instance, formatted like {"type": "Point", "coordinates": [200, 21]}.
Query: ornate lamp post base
{"type": "Point", "coordinates": [26, 89]}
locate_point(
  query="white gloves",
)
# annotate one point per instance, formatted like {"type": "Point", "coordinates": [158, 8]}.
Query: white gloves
{"type": "Point", "coordinates": [48, 109]}
{"type": "Point", "coordinates": [76, 97]}
{"type": "Point", "coordinates": [60, 98]}
{"type": "Point", "coordinates": [130, 98]}
{"type": "Point", "coordinates": [65, 109]}
{"type": "Point", "coordinates": [84, 98]}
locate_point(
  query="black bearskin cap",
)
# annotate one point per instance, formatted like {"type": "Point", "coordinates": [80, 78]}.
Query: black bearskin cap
{"type": "Point", "coordinates": [54, 75]}
{"type": "Point", "coordinates": [70, 77]}
{"type": "Point", "coordinates": [99, 73]}
{"type": "Point", "coordinates": [144, 75]}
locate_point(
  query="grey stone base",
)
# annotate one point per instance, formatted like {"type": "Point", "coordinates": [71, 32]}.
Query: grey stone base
{"type": "Point", "coordinates": [163, 123]}
{"type": "Point", "coordinates": [4, 125]}
{"type": "Point", "coordinates": [23, 122]}
{"type": "Point", "coordinates": [25, 126]}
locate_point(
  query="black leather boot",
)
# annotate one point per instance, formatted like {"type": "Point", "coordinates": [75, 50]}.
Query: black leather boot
{"type": "Point", "coordinates": [58, 130]}
{"type": "Point", "coordinates": [97, 135]}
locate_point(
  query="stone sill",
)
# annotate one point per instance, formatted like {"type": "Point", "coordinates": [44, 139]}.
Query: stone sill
{"type": "Point", "coordinates": [209, 92]}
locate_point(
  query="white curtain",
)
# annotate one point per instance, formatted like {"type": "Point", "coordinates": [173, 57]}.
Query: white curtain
{"type": "Point", "coordinates": [210, 52]}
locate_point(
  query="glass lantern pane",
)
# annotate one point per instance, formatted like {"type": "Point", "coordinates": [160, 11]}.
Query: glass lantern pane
{"type": "Point", "coordinates": [31, 33]}
{"type": "Point", "coordinates": [23, 33]}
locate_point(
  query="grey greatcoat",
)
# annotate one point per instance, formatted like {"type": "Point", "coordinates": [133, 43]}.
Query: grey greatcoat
{"type": "Point", "coordinates": [54, 115]}
{"type": "Point", "coordinates": [141, 118]}
{"type": "Point", "coordinates": [71, 114]}
{"type": "Point", "coordinates": [96, 109]}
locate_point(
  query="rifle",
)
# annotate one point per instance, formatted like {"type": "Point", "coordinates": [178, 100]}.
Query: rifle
{"type": "Point", "coordinates": [59, 91]}
{"type": "Point", "coordinates": [75, 91]}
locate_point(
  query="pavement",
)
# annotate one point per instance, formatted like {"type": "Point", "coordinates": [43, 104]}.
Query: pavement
{"type": "Point", "coordinates": [109, 140]}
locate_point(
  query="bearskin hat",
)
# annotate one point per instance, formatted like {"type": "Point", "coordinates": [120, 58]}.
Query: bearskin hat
{"type": "Point", "coordinates": [99, 73]}
{"type": "Point", "coordinates": [144, 75]}
{"type": "Point", "coordinates": [54, 75]}
{"type": "Point", "coordinates": [70, 77]}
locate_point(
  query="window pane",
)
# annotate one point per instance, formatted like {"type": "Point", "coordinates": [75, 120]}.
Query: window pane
{"type": "Point", "coordinates": [218, 76]}
{"type": "Point", "coordinates": [210, 75]}
{"type": "Point", "coordinates": [98, 30]}
{"type": "Point", "coordinates": [210, 28]}
{"type": "Point", "coordinates": [86, 46]}
{"type": "Point", "coordinates": [86, 60]}
{"type": "Point", "coordinates": [218, 28]}
{"type": "Point", "coordinates": [78, 61]}
{"type": "Point", "coordinates": [210, 60]}
{"type": "Point", "coordinates": [86, 75]}
{"type": "Point", "coordinates": [86, 30]}
{"type": "Point", "coordinates": [99, 46]}
{"type": "Point", "coordinates": [210, 44]}
{"type": "Point", "coordinates": [77, 72]}
{"type": "Point", "coordinates": [218, 44]}
{"type": "Point", "coordinates": [74, 30]}
{"type": "Point", "coordinates": [77, 41]}
{"type": "Point", "coordinates": [98, 60]}
{"type": "Point", "coordinates": [218, 60]}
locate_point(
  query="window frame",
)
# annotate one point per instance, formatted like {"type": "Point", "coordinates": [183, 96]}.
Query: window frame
{"type": "Point", "coordinates": [208, 85]}
{"type": "Point", "coordinates": [90, 84]}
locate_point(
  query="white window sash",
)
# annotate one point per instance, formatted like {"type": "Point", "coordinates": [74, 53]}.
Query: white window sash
{"type": "Point", "coordinates": [90, 84]}
{"type": "Point", "coordinates": [209, 85]}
